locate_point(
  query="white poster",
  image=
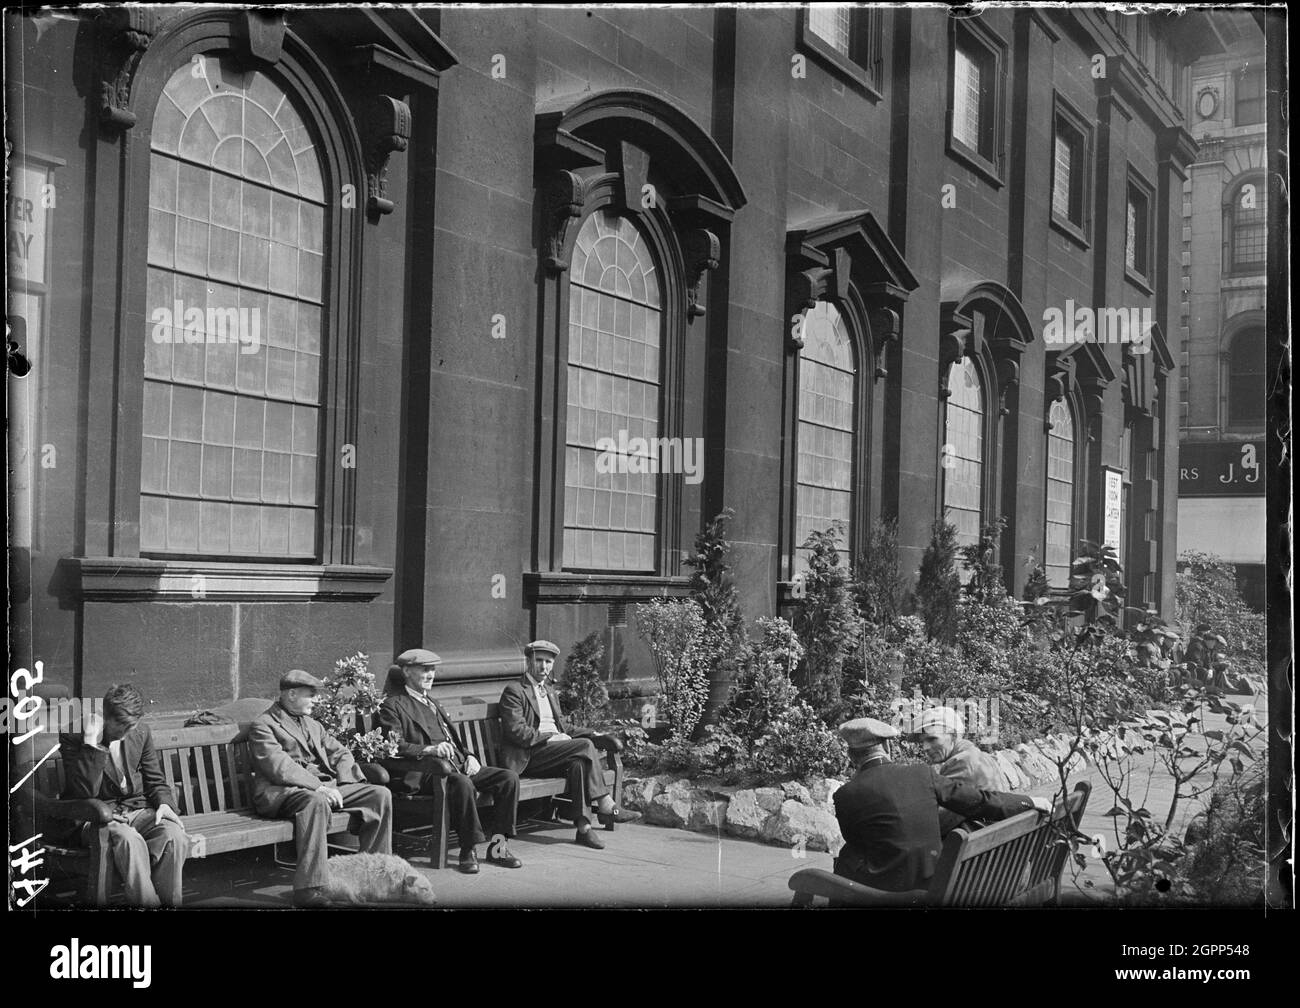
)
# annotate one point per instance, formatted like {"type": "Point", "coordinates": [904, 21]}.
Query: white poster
{"type": "Point", "coordinates": [1114, 509]}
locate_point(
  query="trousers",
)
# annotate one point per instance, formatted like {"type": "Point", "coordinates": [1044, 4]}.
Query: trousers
{"type": "Point", "coordinates": [578, 762]}
{"type": "Point", "coordinates": [149, 856]}
{"type": "Point", "coordinates": [462, 808]}
{"type": "Point", "coordinates": [310, 812]}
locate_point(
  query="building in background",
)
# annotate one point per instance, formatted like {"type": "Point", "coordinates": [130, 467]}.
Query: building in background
{"type": "Point", "coordinates": [333, 309]}
{"type": "Point", "coordinates": [1223, 328]}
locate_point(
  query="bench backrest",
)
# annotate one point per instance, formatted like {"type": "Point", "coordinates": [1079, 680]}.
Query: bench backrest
{"type": "Point", "coordinates": [209, 768]}
{"type": "Point", "coordinates": [1013, 862]}
{"type": "Point", "coordinates": [477, 723]}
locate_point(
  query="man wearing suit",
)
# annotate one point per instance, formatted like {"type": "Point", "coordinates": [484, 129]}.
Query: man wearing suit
{"type": "Point", "coordinates": [889, 813]}
{"type": "Point", "coordinates": [114, 761]}
{"type": "Point", "coordinates": [304, 774]}
{"type": "Point", "coordinates": [537, 742]}
{"type": "Point", "coordinates": [430, 751]}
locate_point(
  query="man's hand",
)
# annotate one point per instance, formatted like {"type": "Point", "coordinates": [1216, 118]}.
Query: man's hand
{"type": "Point", "coordinates": [472, 765]}
{"type": "Point", "coordinates": [559, 736]}
{"type": "Point", "coordinates": [93, 730]}
{"type": "Point", "coordinates": [165, 812]}
{"type": "Point", "coordinates": [335, 796]}
{"type": "Point", "coordinates": [1042, 804]}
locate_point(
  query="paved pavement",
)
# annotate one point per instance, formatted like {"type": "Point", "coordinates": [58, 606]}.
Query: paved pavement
{"type": "Point", "coordinates": [641, 866]}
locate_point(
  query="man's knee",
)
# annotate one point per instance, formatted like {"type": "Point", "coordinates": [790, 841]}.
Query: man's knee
{"type": "Point", "coordinates": [121, 834]}
{"type": "Point", "coordinates": [458, 784]}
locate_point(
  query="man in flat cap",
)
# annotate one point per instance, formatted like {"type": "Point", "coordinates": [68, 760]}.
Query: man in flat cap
{"type": "Point", "coordinates": [430, 751]}
{"type": "Point", "coordinates": [113, 761]}
{"type": "Point", "coordinates": [940, 731]}
{"type": "Point", "coordinates": [538, 742]}
{"type": "Point", "coordinates": [889, 812]}
{"type": "Point", "coordinates": [303, 773]}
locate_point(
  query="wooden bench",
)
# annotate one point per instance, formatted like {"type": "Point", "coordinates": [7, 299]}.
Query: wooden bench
{"type": "Point", "coordinates": [1016, 862]}
{"type": "Point", "coordinates": [479, 727]}
{"type": "Point", "coordinates": [209, 770]}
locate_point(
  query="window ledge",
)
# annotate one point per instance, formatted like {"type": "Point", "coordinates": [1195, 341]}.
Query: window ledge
{"type": "Point", "coordinates": [1071, 230]}
{"type": "Point", "coordinates": [975, 161]}
{"type": "Point", "coordinates": [566, 586]}
{"type": "Point", "coordinates": [127, 579]}
{"type": "Point", "coordinates": [1139, 281]}
{"type": "Point", "coordinates": [837, 63]}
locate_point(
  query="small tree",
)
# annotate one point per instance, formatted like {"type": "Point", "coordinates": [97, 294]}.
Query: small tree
{"type": "Point", "coordinates": [981, 559]}
{"type": "Point", "coordinates": [349, 691]}
{"type": "Point", "coordinates": [880, 581]}
{"type": "Point", "coordinates": [937, 585]}
{"type": "Point", "coordinates": [678, 638]}
{"type": "Point", "coordinates": [582, 689]}
{"type": "Point", "coordinates": [712, 584]}
{"type": "Point", "coordinates": [828, 624]}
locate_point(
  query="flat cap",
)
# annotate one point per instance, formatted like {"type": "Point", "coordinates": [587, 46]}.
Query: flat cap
{"type": "Point", "coordinates": [866, 731]}
{"type": "Point", "coordinates": [944, 719]}
{"type": "Point", "coordinates": [542, 645]}
{"type": "Point", "coordinates": [295, 678]}
{"type": "Point", "coordinates": [417, 656]}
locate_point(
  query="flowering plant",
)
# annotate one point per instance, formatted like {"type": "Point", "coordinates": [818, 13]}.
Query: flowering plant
{"type": "Point", "coordinates": [349, 691]}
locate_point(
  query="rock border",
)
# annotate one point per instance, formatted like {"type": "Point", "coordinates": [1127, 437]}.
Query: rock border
{"type": "Point", "coordinates": [801, 815]}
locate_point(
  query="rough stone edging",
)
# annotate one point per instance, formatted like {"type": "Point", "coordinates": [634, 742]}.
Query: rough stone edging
{"type": "Point", "coordinates": [801, 814]}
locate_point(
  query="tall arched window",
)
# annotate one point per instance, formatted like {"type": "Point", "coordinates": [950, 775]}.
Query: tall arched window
{"type": "Point", "coordinates": [963, 455]}
{"type": "Point", "coordinates": [826, 432]}
{"type": "Point", "coordinates": [1059, 546]}
{"type": "Point", "coordinates": [614, 385]}
{"type": "Point", "coordinates": [1246, 399]}
{"type": "Point", "coordinates": [232, 376]}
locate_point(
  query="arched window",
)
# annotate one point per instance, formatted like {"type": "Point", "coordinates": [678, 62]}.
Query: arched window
{"type": "Point", "coordinates": [614, 386]}
{"type": "Point", "coordinates": [1246, 400]}
{"type": "Point", "coordinates": [826, 431]}
{"type": "Point", "coordinates": [1247, 226]}
{"type": "Point", "coordinates": [963, 462]}
{"type": "Point", "coordinates": [1059, 546]}
{"type": "Point", "coordinates": [232, 375]}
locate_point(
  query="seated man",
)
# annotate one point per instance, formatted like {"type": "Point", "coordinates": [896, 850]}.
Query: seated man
{"type": "Point", "coordinates": [429, 751]}
{"type": "Point", "coordinates": [941, 730]}
{"type": "Point", "coordinates": [536, 742]}
{"type": "Point", "coordinates": [889, 813]}
{"type": "Point", "coordinates": [304, 774]}
{"type": "Point", "coordinates": [114, 761]}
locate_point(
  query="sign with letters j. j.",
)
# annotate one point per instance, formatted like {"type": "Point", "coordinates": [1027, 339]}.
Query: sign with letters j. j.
{"type": "Point", "coordinates": [1221, 469]}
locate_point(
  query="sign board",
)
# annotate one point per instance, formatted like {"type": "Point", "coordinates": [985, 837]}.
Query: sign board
{"type": "Point", "coordinates": [1221, 469]}
{"type": "Point", "coordinates": [27, 221]}
{"type": "Point", "coordinates": [1114, 509]}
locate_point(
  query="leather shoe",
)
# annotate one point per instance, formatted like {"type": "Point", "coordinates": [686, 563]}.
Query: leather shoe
{"type": "Point", "coordinates": [504, 857]}
{"type": "Point", "coordinates": [588, 838]}
{"type": "Point", "coordinates": [310, 899]}
{"type": "Point", "coordinates": [468, 863]}
{"type": "Point", "coordinates": [608, 819]}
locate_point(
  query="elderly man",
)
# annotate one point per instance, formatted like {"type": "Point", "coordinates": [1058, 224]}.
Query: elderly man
{"type": "Point", "coordinates": [941, 730]}
{"type": "Point", "coordinates": [114, 761]}
{"type": "Point", "coordinates": [537, 742]}
{"type": "Point", "coordinates": [304, 774]}
{"type": "Point", "coordinates": [430, 751]}
{"type": "Point", "coordinates": [889, 813]}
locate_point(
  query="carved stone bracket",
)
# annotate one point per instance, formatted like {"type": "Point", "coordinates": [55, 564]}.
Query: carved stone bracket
{"type": "Point", "coordinates": [954, 334]}
{"type": "Point", "coordinates": [387, 128]}
{"type": "Point", "coordinates": [702, 250]}
{"type": "Point", "coordinates": [563, 196]}
{"type": "Point", "coordinates": [1008, 382]}
{"type": "Point", "coordinates": [122, 36]}
{"type": "Point", "coordinates": [885, 328]}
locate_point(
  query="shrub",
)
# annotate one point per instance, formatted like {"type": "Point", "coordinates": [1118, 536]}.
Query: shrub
{"type": "Point", "coordinates": [1206, 595]}
{"type": "Point", "coordinates": [762, 689]}
{"type": "Point", "coordinates": [349, 691]}
{"type": "Point", "coordinates": [1225, 864]}
{"type": "Point", "coordinates": [828, 623]}
{"type": "Point", "coordinates": [582, 689]}
{"type": "Point", "coordinates": [937, 584]}
{"type": "Point", "coordinates": [797, 745]}
{"type": "Point", "coordinates": [712, 585]}
{"type": "Point", "coordinates": [677, 636]}
{"type": "Point", "coordinates": [981, 559]}
{"type": "Point", "coordinates": [881, 586]}
{"type": "Point", "coordinates": [868, 688]}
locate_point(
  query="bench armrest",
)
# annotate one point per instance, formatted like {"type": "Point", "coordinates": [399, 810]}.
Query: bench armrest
{"type": "Point", "coordinates": [79, 810]}
{"type": "Point", "coordinates": [611, 744]}
{"type": "Point", "coordinates": [810, 882]}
